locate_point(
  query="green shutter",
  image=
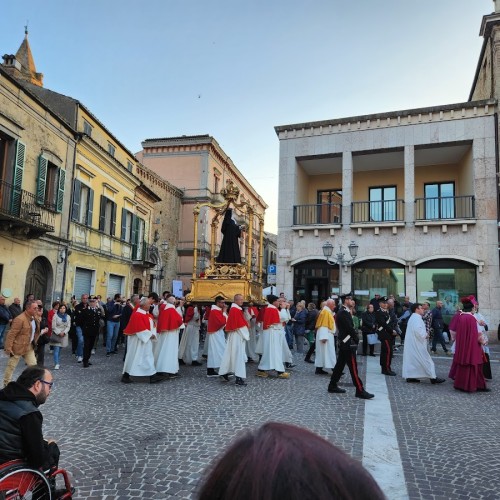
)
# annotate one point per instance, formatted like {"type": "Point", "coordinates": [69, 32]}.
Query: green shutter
{"type": "Point", "coordinates": [90, 207]}
{"type": "Point", "coordinates": [123, 235]}
{"type": "Point", "coordinates": [135, 234]}
{"type": "Point", "coordinates": [17, 184]}
{"type": "Point", "coordinates": [75, 208]}
{"type": "Point", "coordinates": [60, 190]}
{"type": "Point", "coordinates": [102, 213]}
{"type": "Point", "coordinates": [42, 180]}
{"type": "Point", "coordinates": [113, 218]}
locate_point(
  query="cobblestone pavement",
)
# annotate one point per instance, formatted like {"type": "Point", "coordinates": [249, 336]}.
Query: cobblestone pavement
{"type": "Point", "coordinates": [154, 441]}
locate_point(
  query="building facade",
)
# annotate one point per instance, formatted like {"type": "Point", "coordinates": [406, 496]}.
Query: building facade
{"type": "Point", "coordinates": [37, 151]}
{"type": "Point", "coordinates": [200, 168]}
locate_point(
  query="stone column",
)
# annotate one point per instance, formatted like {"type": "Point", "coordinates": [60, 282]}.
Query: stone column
{"type": "Point", "coordinates": [409, 197]}
{"type": "Point", "coordinates": [347, 176]}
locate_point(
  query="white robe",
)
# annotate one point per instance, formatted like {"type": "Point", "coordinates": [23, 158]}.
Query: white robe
{"type": "Point", "coordinates": [190, 341]}
{"type": "Point", "coordinates": [166, 349]}
{"type": "Point", "coordinates": [234, 358]}
{"type": "Point", "coordinates": [216, 343]}
{"type": "Point", "coordinates": [417, 362]}
{"type": "Point", "coordinates": [272, 349]}
{"type": "Point", "coordinates": [251, 344]}
{"type": "Point", "coordinates": [139, 360]}
{"type": "Point", "coordinates": [325, 352]}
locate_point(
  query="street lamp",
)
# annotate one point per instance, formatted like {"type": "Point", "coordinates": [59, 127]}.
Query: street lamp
{"type": "Point", "coordinates": [340, 257]}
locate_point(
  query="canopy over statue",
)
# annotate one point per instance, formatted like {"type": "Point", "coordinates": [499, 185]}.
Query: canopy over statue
{"type": "Point", "coordinates": [230, 246]}
{"type": "Point", "coordinates": [237, 269]}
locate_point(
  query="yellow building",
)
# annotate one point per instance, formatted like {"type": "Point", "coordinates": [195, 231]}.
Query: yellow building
{"type": "Point", "coordinates": [105, 246]}
{"type": "Point", "coordinates": [37, 150]}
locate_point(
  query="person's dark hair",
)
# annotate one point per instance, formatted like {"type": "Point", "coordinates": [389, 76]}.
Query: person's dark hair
{"type": "Point", "coordinates": [219, 298]}
{"type": "Point", "coordinates": [30, 375]}
{"type": "Point", "coordinates": [280, 461]}
{"type": "Point", "coordinates": [29, 303]}
{"type": "Point", "coordinates": [55, 303]}
{"type": "Point", "coordinates": [154, 296]}
{"type": "Point", "coordinates": [414, 307]}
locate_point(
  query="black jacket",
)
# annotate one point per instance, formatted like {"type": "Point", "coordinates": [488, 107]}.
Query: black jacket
{"type": "Point", "coordinates": [21, 427]}
{"type": "Point", "coordinates": [345, 327]}
{"type": "Point", "coordinates": [89, 318]}
{"type": "Point", "coordinates": [384, 324]}
{"type": "Point", "coordinates": [368, 320]}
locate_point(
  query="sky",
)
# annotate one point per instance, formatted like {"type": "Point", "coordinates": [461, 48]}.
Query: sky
{"type": "Point", "coordinates": [235, 69]}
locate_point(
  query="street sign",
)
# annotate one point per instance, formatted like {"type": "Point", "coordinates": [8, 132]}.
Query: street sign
{"type": "Point", "coordinates": [271, 269]}
{"type": "Point", "coordinates": [271, 279]}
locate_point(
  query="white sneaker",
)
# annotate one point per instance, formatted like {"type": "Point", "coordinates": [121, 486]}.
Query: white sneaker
{"type": "Point", "coordinates": [93, 351]}
{"type": "Point", "coordinates": [79, 359]}
{"type": "Point", "coordinates": [56, 367]}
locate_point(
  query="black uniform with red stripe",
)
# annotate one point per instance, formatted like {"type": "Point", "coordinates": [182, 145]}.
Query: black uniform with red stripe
{"type": "Point", "coordinates": [385, 335]}
{"type": "Point", "coordinates": [348, 344]}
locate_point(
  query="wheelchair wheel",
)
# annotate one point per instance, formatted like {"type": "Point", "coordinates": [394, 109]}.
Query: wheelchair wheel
{"type": "Point", "coordinates": [20, 482]}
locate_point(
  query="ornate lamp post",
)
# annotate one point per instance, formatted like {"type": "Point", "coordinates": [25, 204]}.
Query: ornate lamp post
{"type": "Point", "coordinates": [340, 257]}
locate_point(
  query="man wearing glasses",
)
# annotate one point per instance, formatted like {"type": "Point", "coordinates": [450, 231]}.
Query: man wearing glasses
{"type": "Point", "coordinates": [21, 421]}
{"type": "Point", "coordinates": [21, 338]}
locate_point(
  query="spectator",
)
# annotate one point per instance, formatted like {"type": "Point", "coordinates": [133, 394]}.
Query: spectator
{"type": "Point", "coordinates": [41, 317]}
{"type": "Point", "coordinates": [79, 308]}
{"type": "Point", "coordinates": [299, 327]}
{"type": "Point", "coordinates": [113, 314]}
{"type": "Point", "coordinates": [312, 316]}
{"type": "Point", "coordinates": [5, 318]}
{"type": "Point", "coordinates": [15, 308]}
{"type": "Point", "coordinates": [368, 327]}
{"type": "Point", "coordinates": [61, 324]}
{"type": "Point", "coordinates": [280, 461]}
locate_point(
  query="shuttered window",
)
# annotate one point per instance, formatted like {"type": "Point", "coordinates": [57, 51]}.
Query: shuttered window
{"type": "Point", "coordinates": [107, 216]}
{"type": "Point", "coordinates": [17, 184]}
{"type": "Point", "coordinates": [115, 285]}
{"type": "Point", "coordinates": [83, 282]}
{"type": "Point", "coordinates": [83, 203]}
{"type": "Point", "coordinates": [50, 185]}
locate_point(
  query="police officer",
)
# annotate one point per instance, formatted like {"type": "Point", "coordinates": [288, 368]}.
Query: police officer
{"type": "Point", "coordinates": [385, 332]}
{"type": "Point", "coordinates": [348, 344]}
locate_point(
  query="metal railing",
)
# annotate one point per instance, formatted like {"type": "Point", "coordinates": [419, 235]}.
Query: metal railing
{"type": "Point", "coordinates": [377, 211]}
{"type": "Point", "coordinates": [20, 206]}
{"type": "Point", "coordinates": [445, 207]}
{"type": "Point", "coordinates": [323, 213]}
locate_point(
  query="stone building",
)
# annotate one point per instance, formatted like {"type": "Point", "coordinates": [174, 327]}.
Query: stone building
{"type": "Point", "coordinates": [417, 190]}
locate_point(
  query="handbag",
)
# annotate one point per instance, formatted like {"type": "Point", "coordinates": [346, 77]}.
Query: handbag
{"type": "Point", "coordinates": [372, 338]}
{"type": "Point", "coordinates": [55, 338]}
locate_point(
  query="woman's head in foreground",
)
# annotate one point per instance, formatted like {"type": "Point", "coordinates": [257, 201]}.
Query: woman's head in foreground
{"type": "Point", "coordinates": [281, 461]}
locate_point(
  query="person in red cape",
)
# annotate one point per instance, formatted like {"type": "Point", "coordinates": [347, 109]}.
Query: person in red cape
{"type": "Point", "coordinates": [216, 342]}
{"type": "Point", "coordinates": [140, 332]}
{"type": "Point", "coordinates": [234, 358]}
{"type": "Point", "coordinates": [166, 348]}
{"type": "Point", "coordinates": [467, 367]}
{"type": "Point", "coordinates": [251, 313]}
{"type": "Point", "coordinates": [190, 341]}
{"type": "Point", "coordinates": [272, 350]}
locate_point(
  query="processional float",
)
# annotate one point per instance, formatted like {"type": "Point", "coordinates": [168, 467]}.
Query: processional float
{"type": "Point", "coordinates": [229, 278]}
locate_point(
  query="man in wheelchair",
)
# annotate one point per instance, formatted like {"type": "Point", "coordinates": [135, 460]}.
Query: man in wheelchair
{"type": "Point", "coordinates": [21, 436]}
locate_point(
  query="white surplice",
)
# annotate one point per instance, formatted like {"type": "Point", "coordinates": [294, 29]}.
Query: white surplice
{"type": "Point", "coordinates": [139, 360]}
{"type": "Point", "coordinates": [190, 341]}
{"type": "Point", "coordinates": [165, 350]}
{"type": "Point", "coordinates": [234, 358]}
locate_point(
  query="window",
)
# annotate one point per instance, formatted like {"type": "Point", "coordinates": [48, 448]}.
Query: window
{"type": "Point", "coordinates": [12, 155]}
{"type": "Point", "coordinates": [130, 166]}
{"type": "Point", "coordinates": [83, 203]}
{"type": "Point", "coordinates": [383, 203]}
{"type": "Point", "coordinates": [216, 184]}
{"type": "Point", "coordinates": [50, 186]}
{"type": "Point", "coordinates": [111, 149]}
{"type": "Point", "coordinates": [137, 237]}
{"type": "Point", "coordinates": [127, 220]}
{"type": "Point", "coordinates": [329, 206]}
{"type": "Point", "coordinates": [87, 128]}
{"type": "Point", "coordinates": [440, 200]}
{"type": "Point", "coordinates": [107, 216]}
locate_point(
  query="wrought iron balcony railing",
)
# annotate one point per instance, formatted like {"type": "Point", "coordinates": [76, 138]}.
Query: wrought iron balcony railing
{"type": "Point", "coordinates": [377, 211]}
{"type": "Point", "coordinates": [19, 210]}
{"type": "Point", "coordinates": [445, 208]}
{"type": "Point", "coordinates": [325, 213]}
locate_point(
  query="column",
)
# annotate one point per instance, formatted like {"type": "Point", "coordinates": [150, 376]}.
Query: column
{"type": "Point", "coordinates": [409, 196]}
{"type": "Point", "coordinates": [347, 176]}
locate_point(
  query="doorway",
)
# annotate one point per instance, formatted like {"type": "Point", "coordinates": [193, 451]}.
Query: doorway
{"type": "Point", "coordinates": [39, 280]}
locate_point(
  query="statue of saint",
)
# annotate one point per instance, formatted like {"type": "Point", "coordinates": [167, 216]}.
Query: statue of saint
{"type": "Point", "coordinates": [230, 247]}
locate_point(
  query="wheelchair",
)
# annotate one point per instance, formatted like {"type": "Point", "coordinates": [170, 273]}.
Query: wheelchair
{"type": "Point", "coordinates": [20, 481]}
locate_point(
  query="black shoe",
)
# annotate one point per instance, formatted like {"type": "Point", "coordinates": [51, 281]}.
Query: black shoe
{"type": "Point", "coordinates": [320, 371]}
{"type": "Point", "coordinates": [171, 376]}
{"type": "Point", "coordinates": [240, 381]}
{"type": "Point", "coordinates": [114, 352]}
{"type": "Point", "coordinates": [108, 354]}
{"type": "Point", "coordinates": [290, 365]}
{"type": "Point", "coordinates": [204, 356]}
{"type": "Point", "coordinates": [211, 372]}
{"type": "Point", "coordinates": [483, 389]}
{"type": "Point", "coordinates": [86, 365]}
{"type": "Point", "coordinates": [154, 379]}
{"type": "Point", "coordinates": [181, 362]}
{"type": "Point", "coordinates": [437, 380]}
{"type": "Point", "coordinates": [196, 363]}
{"type": "Point", "coordinates": [364, 395]}
{"type": "Point", "coordinates": [126, 378]}
{"type": "Point", "coordinates": [307, 360]}
{"type": "Point", "coordinates": [389, 372]}
{"type": "Point", "coordinates": [225, 377]}
{"type": "Point", "coordinates": [415, 381]}
{"type": "Point", "coordinates": [335, 389]}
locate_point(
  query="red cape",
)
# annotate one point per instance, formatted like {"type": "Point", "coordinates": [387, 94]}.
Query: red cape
{"type": "Point", "coordinates": [139, 322]}
{"type": "Point", "coordinates": [235, 319]}
{"type": "Point", "coordinates": [189, 314]}
{"type": "Point", "coordinates": [216, 321]}
{"type": "Point", "coordinates": [271, 317]}
{"type": "Point", "coordinates": [468, 350]}
{"type": "Point", "coordinates": [169, 319]}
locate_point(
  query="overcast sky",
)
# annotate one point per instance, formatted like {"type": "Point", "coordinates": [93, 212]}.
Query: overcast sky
{"type": "Point", "coordinates": [234, 69]}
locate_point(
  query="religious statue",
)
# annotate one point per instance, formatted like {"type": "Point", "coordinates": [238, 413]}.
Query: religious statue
{"type": "Point", "coordinates": [230, 247]}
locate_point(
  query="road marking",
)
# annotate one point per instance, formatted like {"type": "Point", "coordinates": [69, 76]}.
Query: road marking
{"type": "Point", "coordinates": [381, 455]}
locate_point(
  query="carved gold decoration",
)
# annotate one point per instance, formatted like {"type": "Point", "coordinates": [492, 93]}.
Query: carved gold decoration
{"type": "Point", "coordinates": [220, 270]}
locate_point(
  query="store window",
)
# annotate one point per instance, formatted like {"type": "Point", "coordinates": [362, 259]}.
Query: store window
{"type": "Point", "coordinates": [446, 280]}
{"type": "Point", "coordinates": [384, 277]}
{"type": "Point", "coordinates": [314, 281]}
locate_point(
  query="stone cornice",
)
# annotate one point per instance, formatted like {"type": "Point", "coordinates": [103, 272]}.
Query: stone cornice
{"type": "Point", "coordinates": [389, 119]}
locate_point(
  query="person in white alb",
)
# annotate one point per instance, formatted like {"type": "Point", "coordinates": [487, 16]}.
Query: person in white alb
{"type": "Point", "coordinates": [215, 340]}
{"type": "Point", "coordinates": [325, 339]}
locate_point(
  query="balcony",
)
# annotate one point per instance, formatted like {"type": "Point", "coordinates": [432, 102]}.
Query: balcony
{"type": "Point", "coordinates": [445, 208]}
{"type": "Point", "coordinates": [326, 213]}
{"type": "Point", "coordinates": [20, 215]}
{"type": "Point", "coordinates": [377, 212]}
{"type": "Point", "coordinates": [145, 255]}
